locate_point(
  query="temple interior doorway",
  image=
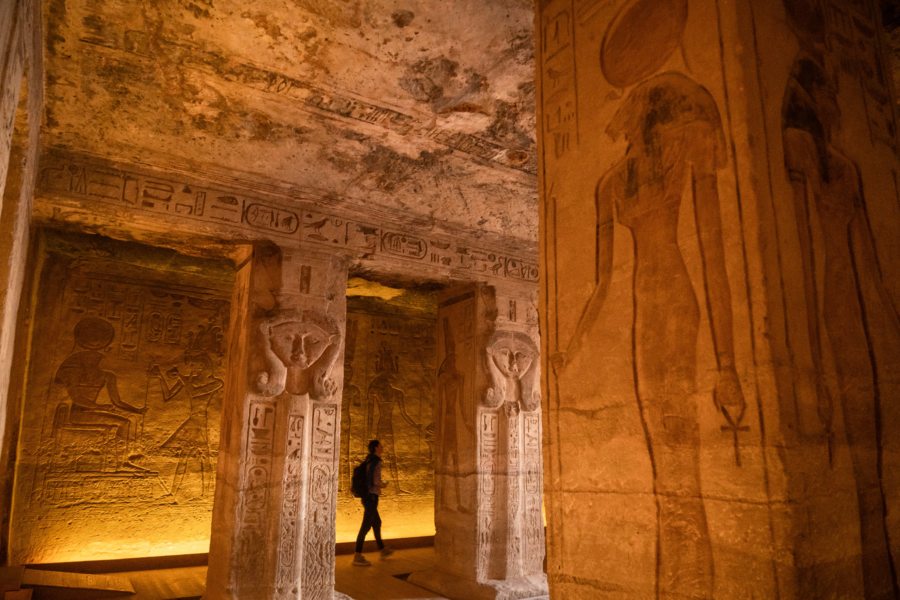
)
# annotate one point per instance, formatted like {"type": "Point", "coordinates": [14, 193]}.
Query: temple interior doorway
{"type": "Point", "coordinates": [390, 370]}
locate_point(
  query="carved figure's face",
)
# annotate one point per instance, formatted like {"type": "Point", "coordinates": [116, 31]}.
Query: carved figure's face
{"type": "Point", "coordinates": [511, 358]}
{"type": "Point", "coordinates": [197, 368]}
{"type": "Point", "coordinates": [298, 344]}
{"type": "Point", "coordinates": [825, 97]}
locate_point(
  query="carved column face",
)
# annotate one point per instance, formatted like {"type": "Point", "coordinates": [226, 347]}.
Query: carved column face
{"type": "Point", "coordinates": [300, 348]}
{"type": "Point", "coordinates": [287, 418]}
{"type": "Point", "coordinates": [488, 498]}
{"type": "Point", "coordinates": [297, 344]}
{"type": "Point", "coordinates": [512, 361]}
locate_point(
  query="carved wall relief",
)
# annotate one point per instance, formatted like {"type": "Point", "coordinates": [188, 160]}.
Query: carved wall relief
{"type": "Point", "coordinates": [389, 374]}
{"type": "Point", "coordinates": [187, 204]}
{"type": "Point", "coordinates": [845, 32]}
{"type": "Point", "coordinates": [675, 143]}
{"type": "Point", "coordinates": [837, 253]}
{"type": "Point", "coordinates": [120, 427]}
{"type": "Point", "coordinates": [512, 362]}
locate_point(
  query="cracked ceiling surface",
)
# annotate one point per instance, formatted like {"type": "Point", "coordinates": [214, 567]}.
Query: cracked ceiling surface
{"type": "Point", "coordinates": [418, 106]}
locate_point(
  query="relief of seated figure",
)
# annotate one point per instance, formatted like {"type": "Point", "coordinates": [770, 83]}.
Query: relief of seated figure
{"type": "Point", "coordinates": [77, 385]}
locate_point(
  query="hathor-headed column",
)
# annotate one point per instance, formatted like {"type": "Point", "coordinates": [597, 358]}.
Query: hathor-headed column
{"type": "Point", "coordinates": [489, 536]}
{"type": "Point", "coordinates": [273, 519]}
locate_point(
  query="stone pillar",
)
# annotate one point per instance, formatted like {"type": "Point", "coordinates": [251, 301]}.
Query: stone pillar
{"type": "Point", "coordinates": [489, 538]}
{"type": "Point", "coordinates": [21, 105]}
{"type": "Point", "coordinates": [273, 519]}
{"type": "Point", "coordinates": [719, 205]}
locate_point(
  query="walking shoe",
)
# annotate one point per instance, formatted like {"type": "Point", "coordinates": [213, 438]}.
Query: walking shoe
{"type": "Point", "coordinates": [360, 561]}
{"type": "Point", "coordinates": [385, 552]}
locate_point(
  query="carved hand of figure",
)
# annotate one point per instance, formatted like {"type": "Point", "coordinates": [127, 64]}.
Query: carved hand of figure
{"type": "Point", "coordinates": [134, 409]}
{"type": "Point", "coordinates": [271, 381]}
{"type": "Point", "coordinates": [728, 396]}
{"type": "Point", "coordinates": [532, 403]}
{"type": "Point", "coordinates": [497, 391]}
{"type": "Point", "coordinates": [324, 386]}
{"type": "Point", "coordinates": [558, 361]}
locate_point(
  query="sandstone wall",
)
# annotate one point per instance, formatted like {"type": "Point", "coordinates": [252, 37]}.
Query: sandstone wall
{"type": "Point", "coordinates": [21, 105]}
{"type": "Point", "coordinates": [719, 298]}
{"type": "Point", "coordinates": [122, 408]}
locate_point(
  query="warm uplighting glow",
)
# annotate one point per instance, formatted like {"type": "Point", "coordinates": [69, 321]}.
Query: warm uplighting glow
{"type": "Point", "coordinates": [357, 286]}
{"type": "Point", "coordinates": [401, 517]}
{"type": "Point", "coordinates": [111, 549]}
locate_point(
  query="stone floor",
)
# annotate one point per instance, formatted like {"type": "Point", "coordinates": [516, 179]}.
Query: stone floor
{"type": "Point", "coordinates": [384, 580]}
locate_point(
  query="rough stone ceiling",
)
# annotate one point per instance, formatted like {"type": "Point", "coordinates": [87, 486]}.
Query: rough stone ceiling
{"type": "Point", "coordinates": [419, 106]}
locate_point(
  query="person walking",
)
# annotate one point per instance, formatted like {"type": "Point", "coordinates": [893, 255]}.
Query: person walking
{"type": "Point", "coordinates": [371, 518]}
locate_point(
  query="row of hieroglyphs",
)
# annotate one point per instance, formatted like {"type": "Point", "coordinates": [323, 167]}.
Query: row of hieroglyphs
{"type": "Point", "coordinates": [172, 195]}
{"type": "Point", "coordinates": [141, 45]}
{"type": "Point", "coordinates": [849, 29]}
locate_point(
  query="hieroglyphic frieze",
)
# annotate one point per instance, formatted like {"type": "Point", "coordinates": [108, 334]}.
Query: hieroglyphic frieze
{"type": "Point", "coordinates": [230, 211]}
{"type": "Point", "coordinates": [168, 196]}
{"type": "Point", "coordinates": [319, 227]}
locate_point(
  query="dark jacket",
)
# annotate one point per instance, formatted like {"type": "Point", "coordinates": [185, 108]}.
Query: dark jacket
{"type": "Point", "coordinates": [373, 474]}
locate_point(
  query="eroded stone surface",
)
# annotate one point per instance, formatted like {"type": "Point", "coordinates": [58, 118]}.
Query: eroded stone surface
{"type": "Point", "coordinates": [412, 106]}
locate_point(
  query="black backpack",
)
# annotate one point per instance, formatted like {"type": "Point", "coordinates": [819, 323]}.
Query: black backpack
{"type": "Point", "coordinates": [359, 484]}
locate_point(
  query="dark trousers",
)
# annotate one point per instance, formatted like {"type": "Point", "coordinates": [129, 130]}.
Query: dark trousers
{"type": "Point", "coordinates": [371, 520]}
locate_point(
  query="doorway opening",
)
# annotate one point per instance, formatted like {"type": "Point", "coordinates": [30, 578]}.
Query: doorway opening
{"type": "Point", "coordinates": [390, 366]}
